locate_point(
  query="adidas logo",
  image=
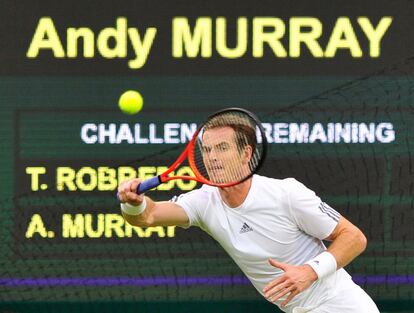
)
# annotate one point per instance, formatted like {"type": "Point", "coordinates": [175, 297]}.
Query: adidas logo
{"type": "Point", "coordinates": [245, 228]}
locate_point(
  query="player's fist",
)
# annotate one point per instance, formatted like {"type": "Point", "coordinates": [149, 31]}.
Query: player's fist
{"type": "Point", "coordinates": [127, 192]}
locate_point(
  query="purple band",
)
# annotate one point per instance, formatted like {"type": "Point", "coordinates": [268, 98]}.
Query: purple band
{"type": "Point", "coordinates": [123, 281]}
{"type": "Point", "coordinates": [179, 281]}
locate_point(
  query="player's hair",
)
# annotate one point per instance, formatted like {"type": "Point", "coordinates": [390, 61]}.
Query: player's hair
{"type": "Point", "coordinates": [245, 133]}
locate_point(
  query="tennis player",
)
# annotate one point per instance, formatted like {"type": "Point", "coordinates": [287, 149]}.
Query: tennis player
{"type": "Point", "coordinates": [273, 229]}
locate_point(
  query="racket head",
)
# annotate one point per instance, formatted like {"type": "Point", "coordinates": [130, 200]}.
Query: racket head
{"type": "Point", "coordinates": [228, 148]}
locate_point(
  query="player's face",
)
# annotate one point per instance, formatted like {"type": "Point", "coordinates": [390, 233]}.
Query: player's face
{"type": "Point", "coordinates": [223, 160]}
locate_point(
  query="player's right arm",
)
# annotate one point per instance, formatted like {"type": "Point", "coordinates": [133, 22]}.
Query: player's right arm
{"type": "Point", "coordinates": [156, 213]}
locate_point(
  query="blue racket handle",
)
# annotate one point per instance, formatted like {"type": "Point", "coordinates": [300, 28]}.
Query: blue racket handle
{"type": "Point", "coordinates": [149, 184]}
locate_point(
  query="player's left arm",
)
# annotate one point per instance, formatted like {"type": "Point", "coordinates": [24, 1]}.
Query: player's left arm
{"type": "Point", "coordinates": [348, 242]}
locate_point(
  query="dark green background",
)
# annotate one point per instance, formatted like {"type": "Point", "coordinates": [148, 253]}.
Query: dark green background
{"type": "Point", "coordinates": [43, 102]}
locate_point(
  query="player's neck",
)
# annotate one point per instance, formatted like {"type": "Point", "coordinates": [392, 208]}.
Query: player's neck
{"type": "Point", "coordinates": [235, 196]}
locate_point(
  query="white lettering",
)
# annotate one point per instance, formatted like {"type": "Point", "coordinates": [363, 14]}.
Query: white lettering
{"type": "Point", "coordinates": [107, 132]}
{"type": "Point", "coordinates": [318, 133]}
{"type": "Point", "coordinates": [343, 132]}
{"type": "Point", "coordinates": [86, 137]}
{"type": "Point", "coordinates": [281, 132]}
{"type": "Point", "coordinates": [275, 133]}
{"type": "Point", "coordinates": [385, 133]}
{"type": "Point", "coordinates": [171, 131]}
{"type": "Point", "coordinates": [299, 133]}
{"type": "Point", "coordinates": [124, 133]}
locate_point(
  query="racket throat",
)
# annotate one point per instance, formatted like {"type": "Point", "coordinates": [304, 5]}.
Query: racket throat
{"type": "Point", "coordinates": [162, 178]}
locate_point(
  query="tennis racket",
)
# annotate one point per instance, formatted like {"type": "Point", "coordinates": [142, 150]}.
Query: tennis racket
{"type": "Point", "coordinates": [228, 148]}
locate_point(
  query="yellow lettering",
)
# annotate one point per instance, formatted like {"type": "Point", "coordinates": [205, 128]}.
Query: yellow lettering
{"type": "Point", "coordinates": [88, 37]}
{"type": "Point", "coordinates": [185, 184]}
{"type": "Point", "coordinates": [309, 38]}
{"type": "Point", "coordinates": [64, 178]}
{"type": "Point", "coordinates": [114, 222]}
{"type": "Point", "coordinates": [100, 226]}
{"type": "Point", "coordinates": [138, 230]}
{"type": "Point", "coordinates": [201, 37]}
{"type": "Point", "coordinates": [36, 225]}
{"type": "Point", "coordinates": [374, 35]}
{"type": "Point", "coordinates": [107, 178]}
{"type": "Point", "coordinates": [157, 229]}
{"type": "Point", "coordinates": [73, 228]}
{"type": "Point", "coordinates": [141, 47]}
{"type": "Point", "coordinates": [104, 178]}
{"type": "Point", "coordinates": [171, 231]}
{"type": "Point", "coordinates": [145, 172]}
{"type": "Point", "coordinates": [34, 172]}
{"type": "Point", "coordinates": [343, 37]}
{"type": "Point", "coordinates": [125, 173]}
{"type": "Point", "coordinates": [221, 38]}
{"type": "Point", "coordinates": [271, 38]}
{"type": "Point", "coordinates": [45, 37]}
{"type": "Point", "coordinates": [119, 34]}
{"type": "Point", "coordinates": [90, 173]}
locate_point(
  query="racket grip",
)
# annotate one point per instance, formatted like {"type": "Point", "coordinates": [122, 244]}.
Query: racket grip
{"type": "Point", "coordinates": [148, 184]}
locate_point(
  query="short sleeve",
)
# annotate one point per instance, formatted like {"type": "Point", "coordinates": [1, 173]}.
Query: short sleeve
{"type": "Point", "coordinates": [193, 203]}
{"type": "Point", "coordinates": [311, 214]}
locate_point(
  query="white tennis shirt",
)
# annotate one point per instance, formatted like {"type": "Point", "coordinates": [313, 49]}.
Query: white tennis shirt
{"type": "Point", "coordinates": [281, 219]}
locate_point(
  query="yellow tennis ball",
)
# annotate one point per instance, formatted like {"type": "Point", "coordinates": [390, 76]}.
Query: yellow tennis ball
{"type": "Point", "coordinates": [131, 102]}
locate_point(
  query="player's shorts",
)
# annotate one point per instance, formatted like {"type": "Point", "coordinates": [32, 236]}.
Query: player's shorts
{"type": "Point", "coordinates": [350, 300]}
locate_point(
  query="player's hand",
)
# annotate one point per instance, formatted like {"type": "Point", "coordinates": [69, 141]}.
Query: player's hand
{"type": "Point", "coordinates": [292, 282]}
{"type": "Point", "coordinates": [127, 192]}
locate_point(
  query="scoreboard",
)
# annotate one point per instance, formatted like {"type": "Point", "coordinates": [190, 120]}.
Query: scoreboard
{"type": "Point", "coordinates": [337, 112]}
